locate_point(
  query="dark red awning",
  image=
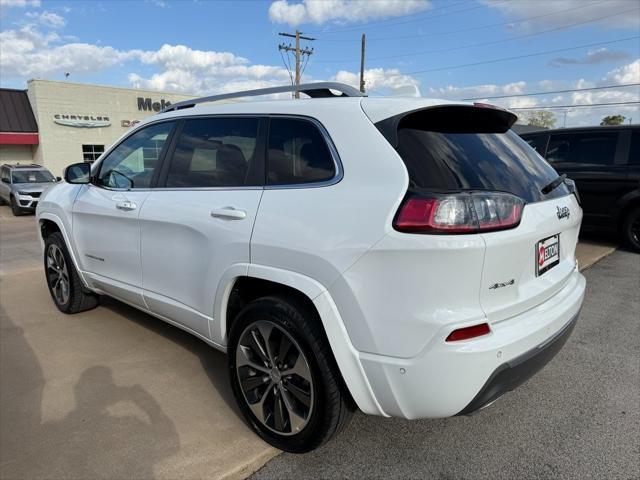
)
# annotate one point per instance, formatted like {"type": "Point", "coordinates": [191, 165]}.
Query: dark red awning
{"type": "Point", "coordinates": [12, 138]}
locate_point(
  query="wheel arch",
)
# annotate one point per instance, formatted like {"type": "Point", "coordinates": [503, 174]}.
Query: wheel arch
{"type": "Point", "coordinates": [625, 205]}
{"type": "Point", "coordinates": [254, 281]}
{"type": "Point", "coordinates": [49, 223]}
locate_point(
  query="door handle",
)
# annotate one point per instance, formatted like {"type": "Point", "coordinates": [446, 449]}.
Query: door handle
{"type": "Point", "coordinates": [229, 213]}
{"type": "Point", "coordinates": [126, 206]}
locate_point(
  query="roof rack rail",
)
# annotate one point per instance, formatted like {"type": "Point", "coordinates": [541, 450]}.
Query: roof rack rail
{"type": "Point", "coordinates": [314, 90]}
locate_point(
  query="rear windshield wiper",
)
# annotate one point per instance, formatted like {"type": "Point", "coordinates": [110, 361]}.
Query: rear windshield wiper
{"type": "Point", "coordinates": [553, 185]}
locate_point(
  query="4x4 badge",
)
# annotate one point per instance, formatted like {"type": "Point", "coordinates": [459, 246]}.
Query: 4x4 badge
{"type": "Point", "coordinates": [563, 212]}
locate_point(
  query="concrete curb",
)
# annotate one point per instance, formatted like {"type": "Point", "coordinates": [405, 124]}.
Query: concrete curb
{"type": "Point", "coordinates": [251, 466]}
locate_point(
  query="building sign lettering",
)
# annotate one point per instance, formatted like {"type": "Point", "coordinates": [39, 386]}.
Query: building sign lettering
{"type": "Point", "coordinates": [81, 121]}
{"type": "Point", "coordinates": [128, 123]}
{"type": "Point", "coordinates": [147, 105]}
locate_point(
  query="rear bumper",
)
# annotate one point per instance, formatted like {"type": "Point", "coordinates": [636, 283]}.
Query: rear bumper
{"type": "Point", "coordinates": [514, 373]}
{"type": "Point", "coordinates": [448, 379]}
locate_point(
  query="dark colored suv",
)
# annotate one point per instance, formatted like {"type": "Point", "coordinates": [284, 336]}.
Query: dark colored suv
{"type": "Point", "coordinates": [605, 164]}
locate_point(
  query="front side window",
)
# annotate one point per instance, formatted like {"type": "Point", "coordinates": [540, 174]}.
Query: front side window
{"type": "Point", "coordinates": [593, 148]}
{"type": "Point", "coordinates": [132, 163]}
{"type": "Point", "coordinates": [297, 153]}
{"type": "Point", "coordinates": [634, 151]}
{"type": "Point", "coordinates": [90, 153]}
{"type": "Point", "coordinates": [32, 176]}
{"type": "Point", "coordinates": [213, 152]}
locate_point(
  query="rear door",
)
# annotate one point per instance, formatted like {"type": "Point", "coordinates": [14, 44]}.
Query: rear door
{"type": "Point", "coordinates": [590, 159]}
{"type": "Point", "coordinates": [197, 225]}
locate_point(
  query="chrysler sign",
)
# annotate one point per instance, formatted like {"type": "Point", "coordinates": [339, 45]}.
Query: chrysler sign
{"type": "Point", "coordinates": [82, 121]}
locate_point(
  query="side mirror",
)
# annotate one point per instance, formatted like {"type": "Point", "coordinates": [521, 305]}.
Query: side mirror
{"type": "Point", "coordinates": [78, 173]}
{"type": "Point", "coordinates": [5, 180]}
{"type": "Point", "coordinates": [58, 179]}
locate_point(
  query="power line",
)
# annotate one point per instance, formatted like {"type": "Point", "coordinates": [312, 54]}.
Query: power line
{"type": "Point", "coordinates": [426, 14]}
{"type": "Point", "coordinates": [572, 90]}
{"type": "Point", "coordinates": [574, 106]}
{"type": "Point", "coordinates": [493, 42]}
{"type": "Point", "coordinates": [516, 57]}
{"type": "Point", "coordinates": [470, 29]}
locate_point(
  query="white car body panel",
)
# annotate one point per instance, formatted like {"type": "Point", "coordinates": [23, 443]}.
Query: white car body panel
{"type": "Point", "coordinates": [386, 299]}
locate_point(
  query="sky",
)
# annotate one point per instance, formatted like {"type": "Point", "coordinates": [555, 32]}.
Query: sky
{"type": "Point", "coordinates": [453, 49]}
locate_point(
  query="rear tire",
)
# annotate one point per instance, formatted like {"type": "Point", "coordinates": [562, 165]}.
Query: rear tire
{"type": "Point", "coordinates": [62, 278]}
{"type": "Point", "coordinates": [289, 388]}
{"type": "Point", "coordinates": [631, 229]}
{"type": "Point", "coordinates": [15, 208]}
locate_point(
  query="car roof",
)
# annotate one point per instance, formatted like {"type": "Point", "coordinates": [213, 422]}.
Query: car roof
{"type": "Point", "coordinates": [24, 166]}
{"type": "Point", "coordinates": [376, 108]}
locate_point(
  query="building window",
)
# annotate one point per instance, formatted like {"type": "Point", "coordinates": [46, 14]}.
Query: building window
{"type": "Point", "coordinates": [90, 153]}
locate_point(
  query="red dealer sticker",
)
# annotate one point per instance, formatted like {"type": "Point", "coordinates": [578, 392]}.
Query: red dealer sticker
{"type": "Point", "coordinates": [547, 254]}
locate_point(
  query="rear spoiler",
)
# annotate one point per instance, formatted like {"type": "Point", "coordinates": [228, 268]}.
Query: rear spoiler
{"type": "Point", "coordinates": [476, 118]}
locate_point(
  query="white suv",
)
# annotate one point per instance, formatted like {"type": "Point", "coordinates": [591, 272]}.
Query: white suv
{"type": "Point", "coordinates": [409, 257]}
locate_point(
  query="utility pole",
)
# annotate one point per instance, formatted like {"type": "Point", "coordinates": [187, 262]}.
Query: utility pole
{"type": "Point", "coordinates": [298, 52]}
{"type": "Point", "coordinates": [362, 64]}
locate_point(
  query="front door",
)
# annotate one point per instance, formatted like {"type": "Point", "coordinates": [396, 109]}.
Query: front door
{"type": "Point", "coordinates": [198, 224]}
{"type": "Point", "coordinates": [105, 214]}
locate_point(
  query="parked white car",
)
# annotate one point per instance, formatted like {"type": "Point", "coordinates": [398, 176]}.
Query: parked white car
{"type": "Point", "coordinates": [411, 257]}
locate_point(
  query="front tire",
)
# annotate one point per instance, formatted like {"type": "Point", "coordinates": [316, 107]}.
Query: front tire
{"type": "Point", "coordinates": [15, 208]}
{"type": "Point", "coordinates": [631, 229]}
{"type": "Point", "coordinates": [284, 376]}
{"type": "Point", "coordinates": [63, 280]}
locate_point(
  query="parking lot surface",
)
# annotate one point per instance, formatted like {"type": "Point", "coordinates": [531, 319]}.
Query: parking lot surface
{"type": "Point", "coordinates": [110, 393]}
{"type": "Point", "coordinates": [114, 393]}
{"type": "Point", "coordinates": [578, 418]}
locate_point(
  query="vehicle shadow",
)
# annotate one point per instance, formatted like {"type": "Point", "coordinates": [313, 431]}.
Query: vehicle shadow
{"type": "Point", "coordinates": [213, 361]}
{"type": "Point", "coordinates": [83, 443]}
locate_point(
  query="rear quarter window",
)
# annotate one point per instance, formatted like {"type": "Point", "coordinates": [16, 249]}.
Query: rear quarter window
{"type": "Point", "coordinates": [634, 150]}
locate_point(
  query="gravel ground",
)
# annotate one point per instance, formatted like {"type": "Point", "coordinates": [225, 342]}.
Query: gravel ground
{"type": "Point", "coordinates": [578, 418]}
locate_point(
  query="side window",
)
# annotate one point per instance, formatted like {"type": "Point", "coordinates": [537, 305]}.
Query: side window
{"type": "Point", "coordinates": [297, 153]}
{"type": "Point", "coordinates": [132, 163]}
{"type": "Point", "coordinates": [538, 142]}
{"type": "Point", "coordinates": [592, 148]}
{"type": "Point", "coordinates": [3, 173]}
{"type": "Point", "coordinates": [213, 152]}
{"type": "Point", "coordinates": [634, 150]}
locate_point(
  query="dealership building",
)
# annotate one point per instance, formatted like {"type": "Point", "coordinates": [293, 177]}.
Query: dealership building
{"type": "Point", "coordinates": [55, 124]}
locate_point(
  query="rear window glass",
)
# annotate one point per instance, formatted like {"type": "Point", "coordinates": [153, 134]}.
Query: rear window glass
{"type": "Point", "coordinates": [502, 162]}
{"type": "Point", "coordinates": [592, 148]}
{"type": "Point", "coordinates": [538, 142]}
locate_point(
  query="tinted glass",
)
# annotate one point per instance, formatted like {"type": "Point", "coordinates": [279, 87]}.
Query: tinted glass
{"type": "Point", "coordinates": [538, 142]}
{"type": "Point", "coordinates": [634, 151]}
{"type": "Point", "coordinates": [213, 152]}
{"type": "Point", "coordinates": [595, 148]}
{"type": "Point", "coordinates": [475, 161]}
{"type": "Point", "coordinates": [297, 154]}
{"type": "Point", "coordinates": [32, 176]}
{"type": "Point", "coordinates": [132, 163]}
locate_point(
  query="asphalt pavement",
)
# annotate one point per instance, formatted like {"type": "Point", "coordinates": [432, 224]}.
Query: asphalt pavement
{"type": "Point", "coordinates": [578, 418]}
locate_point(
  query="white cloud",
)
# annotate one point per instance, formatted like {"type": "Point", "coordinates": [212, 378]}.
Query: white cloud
{"type": "Point", "coordinates": [322, 11]}
{"type": "Point", "coordinates": [19, 3]}
{"type": "Point", "coordinates": [569, 12]}
{"type": "Point", "coordinates": [28, 53]}
{"type": "Point", "coordinates": [377, 80]}
{"type": "Point", "coordinates": [47, 19]}
{"type": "Point", "coordinates": [629, 73]}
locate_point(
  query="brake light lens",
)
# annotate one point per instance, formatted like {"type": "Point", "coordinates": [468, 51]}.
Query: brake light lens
{"type": "Point", "coordinates": [459, 213]}
{"type": "Point", "coordinates": [469, 332]}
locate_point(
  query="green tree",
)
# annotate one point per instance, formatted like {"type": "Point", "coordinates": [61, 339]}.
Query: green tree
{"type": "Point", "coordinates": [540, 118]}
{"type": "Point", "coordinates": [613, 120]}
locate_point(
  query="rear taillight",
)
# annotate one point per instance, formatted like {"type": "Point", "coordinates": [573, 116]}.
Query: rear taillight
{"type": "Point", "coordinates": [459, 213]}
{"type": "Point", "coordinates": [468, 333]}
